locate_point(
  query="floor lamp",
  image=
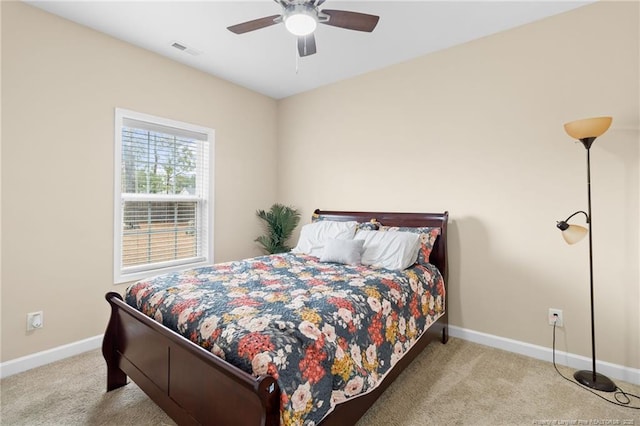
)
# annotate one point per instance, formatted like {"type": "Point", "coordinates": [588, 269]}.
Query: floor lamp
{"type": "Point", "coordinates": [586, 131]}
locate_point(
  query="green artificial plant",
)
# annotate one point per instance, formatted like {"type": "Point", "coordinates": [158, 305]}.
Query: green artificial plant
{"type": "Point", "coordinates": [280, 221]}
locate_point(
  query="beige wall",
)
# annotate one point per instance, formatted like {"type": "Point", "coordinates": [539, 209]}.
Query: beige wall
{"type": "Point", "coordinates": [60, 85]}
{"type": "Point", "coordinates": [477, 130]}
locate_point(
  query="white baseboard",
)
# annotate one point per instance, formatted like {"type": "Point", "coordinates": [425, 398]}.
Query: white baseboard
{"type": "Point", "coordinates": [614, 371]}
{"type": "Point", "coordinates": [38, 359]}
{"type": "Point", "coordinates": [578, 362]}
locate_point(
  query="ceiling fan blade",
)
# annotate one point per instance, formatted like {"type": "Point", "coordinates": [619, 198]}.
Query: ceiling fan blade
{"type": "Point", "coordinates": [256, 24]}
{"type": "Point", "coordinates": [351, 20]}
{"type": "Point", "coordinates": [306, 45]}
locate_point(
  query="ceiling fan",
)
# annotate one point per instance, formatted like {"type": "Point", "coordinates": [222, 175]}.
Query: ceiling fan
{"type": "Point", "coordinates": [301, 18]}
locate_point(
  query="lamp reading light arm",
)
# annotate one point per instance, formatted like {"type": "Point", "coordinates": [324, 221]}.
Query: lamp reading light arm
{"type": "Point", "coordinates": [563, 225]}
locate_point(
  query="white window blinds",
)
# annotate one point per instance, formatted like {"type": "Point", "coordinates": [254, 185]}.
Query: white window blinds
{"type": "Point", "coordinates": [163, 214]}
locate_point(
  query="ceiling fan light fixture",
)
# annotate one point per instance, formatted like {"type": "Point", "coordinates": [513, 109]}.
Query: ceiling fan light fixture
{"type": "Point", "coordinates": [300, 21]}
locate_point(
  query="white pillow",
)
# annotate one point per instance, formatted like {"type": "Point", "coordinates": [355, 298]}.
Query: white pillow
{"type": "Point", "coordinates": [313, 236]}
{"type": "Point", "coordinates": [348, 252]}
{"type": "Point", "coordinates": [389, 250]}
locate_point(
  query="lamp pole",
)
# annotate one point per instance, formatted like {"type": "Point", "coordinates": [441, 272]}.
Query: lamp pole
{"type": "Point", "coordinates": [593, 323]}
{"type": "Point", "coordinates": [591, 378]}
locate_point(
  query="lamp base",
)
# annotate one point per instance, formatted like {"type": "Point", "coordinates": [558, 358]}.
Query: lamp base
{"type": "Point", "coordinates": [601, 382]}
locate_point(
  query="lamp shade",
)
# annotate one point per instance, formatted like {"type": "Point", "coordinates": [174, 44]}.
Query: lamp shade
{"type": "Point", "coordinates": [574, 233]}
{"type": "Point", "coordinates": [588, 127]}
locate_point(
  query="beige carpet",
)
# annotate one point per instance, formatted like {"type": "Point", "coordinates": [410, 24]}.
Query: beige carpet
{"type": "Point", "coordinates": [458, 383]}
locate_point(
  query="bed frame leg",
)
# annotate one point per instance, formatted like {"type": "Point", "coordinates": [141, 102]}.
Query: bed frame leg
{"type": "Point", "coordinates": [116, 378]}
{"type": "Point", "coordinates": [445, 328]}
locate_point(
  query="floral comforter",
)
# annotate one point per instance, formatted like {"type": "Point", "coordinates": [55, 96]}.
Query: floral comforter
{"type": "Point", "coordinates": [327, 332]}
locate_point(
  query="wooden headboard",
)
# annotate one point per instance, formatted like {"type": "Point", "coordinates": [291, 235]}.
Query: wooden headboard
{"type": "Point", "coordinates": [439, 252]}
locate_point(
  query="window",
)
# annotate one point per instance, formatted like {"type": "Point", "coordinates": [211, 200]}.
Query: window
{"type": "Point", "coordinates": [163, 195]}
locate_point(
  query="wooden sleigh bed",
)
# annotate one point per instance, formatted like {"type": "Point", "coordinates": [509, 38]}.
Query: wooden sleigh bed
{"type": "Point", "coordinates": [194, 386]}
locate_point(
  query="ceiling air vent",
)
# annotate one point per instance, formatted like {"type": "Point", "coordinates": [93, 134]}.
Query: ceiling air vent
{"type": "Point", "coordinates": [187, 49]}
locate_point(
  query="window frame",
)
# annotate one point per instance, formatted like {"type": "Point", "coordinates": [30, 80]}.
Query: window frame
{"type": "Point", "coordinates": [133, 273]}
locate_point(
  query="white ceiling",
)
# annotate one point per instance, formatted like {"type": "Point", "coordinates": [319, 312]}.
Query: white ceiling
{"type": "Point", "coordinates": [266, 60]}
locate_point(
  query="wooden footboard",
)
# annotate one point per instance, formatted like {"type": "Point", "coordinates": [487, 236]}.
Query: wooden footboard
{"type": "Point", "coordinates": [190, 384]}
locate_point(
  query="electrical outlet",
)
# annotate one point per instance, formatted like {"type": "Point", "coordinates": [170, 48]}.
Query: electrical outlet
{"type": "Point", "coordinates": [35, 320]}
{"type": "Point", "coordinates": [556, 315]}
